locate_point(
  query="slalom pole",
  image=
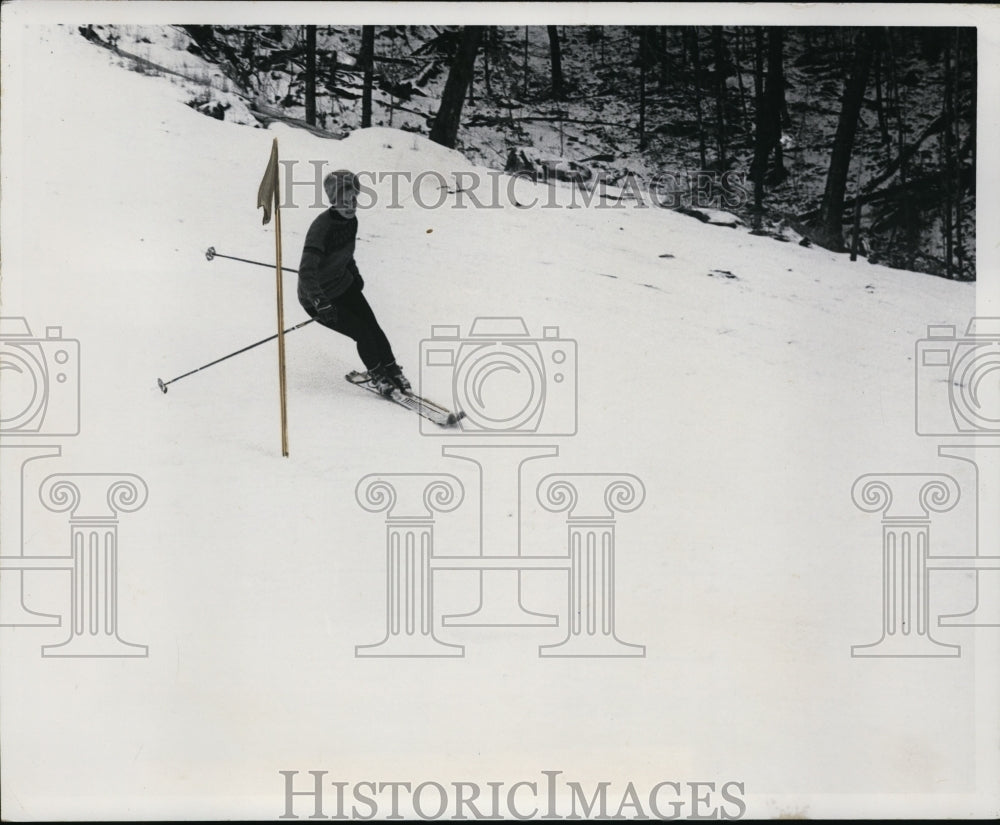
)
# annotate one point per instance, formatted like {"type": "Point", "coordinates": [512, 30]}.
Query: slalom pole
{"type": "Point", "coordinates": [210, 253]}
{"type": "Point", "coordinates": [282, 383]}
{"type": "Point", "coordinates": [267, 197]}
{"type": "Point", "coordinates": [164, 384]}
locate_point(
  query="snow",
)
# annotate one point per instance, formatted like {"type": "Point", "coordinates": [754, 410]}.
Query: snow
{"type": "Point", "coordinates": [747, 405]}
{"type": "Point", "coordinates": [512, 109]}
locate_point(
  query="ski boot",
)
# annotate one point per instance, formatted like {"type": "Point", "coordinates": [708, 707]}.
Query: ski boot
{"type": "Point", "coordinates": [395, 375]}
{"type": "Point", "coordinates": [380, 380]}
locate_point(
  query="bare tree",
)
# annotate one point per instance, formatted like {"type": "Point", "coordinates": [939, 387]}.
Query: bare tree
{"type": "Point", "coordinates": [770, 96]}
{"type": "Point", "coordinates": [445, 129]}
{"type": "Point", "coordinates": [775, 91]}
{"type": "Point", "coordinates": [959, 210]}
{"type": "Point", "coordinates": [661, 48]}
{"type": "Point", "coordinates": [696, 59]}
{"type": "Point", "coordinates": [367, 60]}
{"type": "Point", "coordinates": [643, 60]}
{"type": "Point", "coordinates": [525, 92]}
{"type": "Point", "coordinates": [311, 75]}
{"type": "Point", "coordinates": [739, 74]}
{"type": "Point", "coordinates": [556, 53]}
{"type": "Point", "coordinates": [830, 230]}
{"type": "Point", "coordinates": [761, 139]}
{"type": "Point", "coordinates": [489, 49]}
{"type": "Point", "coordinates": [950, 175]}
{"type": "Point", "coordinates": [718, 50]}
{"type": "Point", "coordinates": [883, 123]}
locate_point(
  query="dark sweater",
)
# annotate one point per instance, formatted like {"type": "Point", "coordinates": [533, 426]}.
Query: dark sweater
{"type": "Point", "coordinates": [328, 269]}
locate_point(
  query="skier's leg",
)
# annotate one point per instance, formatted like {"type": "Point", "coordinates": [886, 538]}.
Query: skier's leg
{"type": "Point", "coordinates": [354, 319]}
{"type": "Point", "coordinates": [378, 340]}
{"type": "Point", "coordinates": [373, 345]}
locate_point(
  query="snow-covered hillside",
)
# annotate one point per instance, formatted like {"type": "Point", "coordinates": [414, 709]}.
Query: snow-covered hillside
{"type": "Point", "coordinates": [256, 74]}
{"type": "Point", "coordinates": [747, 383]}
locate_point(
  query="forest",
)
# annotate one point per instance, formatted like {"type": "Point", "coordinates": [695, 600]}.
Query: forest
{"type": "Point", "coordinates": [860, 140]}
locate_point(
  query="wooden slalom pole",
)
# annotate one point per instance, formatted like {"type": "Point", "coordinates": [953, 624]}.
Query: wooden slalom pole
{"type": "Point", "coordinates": [281, 317]}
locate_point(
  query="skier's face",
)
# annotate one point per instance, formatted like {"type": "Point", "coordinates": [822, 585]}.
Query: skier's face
{"type": "Point", "coordinates": [345, 201]}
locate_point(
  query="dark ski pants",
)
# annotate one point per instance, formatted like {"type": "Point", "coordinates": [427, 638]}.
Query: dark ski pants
{"type": "Point", "coordinates": [354, 318]}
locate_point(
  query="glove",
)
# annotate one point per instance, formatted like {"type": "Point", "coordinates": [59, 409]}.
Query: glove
{"type": "Point", "coordinates": [359, 282]}
{"type": "Point", "coordinates": [326, 312]}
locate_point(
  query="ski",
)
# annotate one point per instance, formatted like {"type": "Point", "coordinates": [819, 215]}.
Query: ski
{"type": "Point", "coordinates": [441, 416]}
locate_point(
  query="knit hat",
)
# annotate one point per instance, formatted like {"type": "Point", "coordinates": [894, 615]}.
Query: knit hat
{"type": "Point", "coordinates": [338, 182]}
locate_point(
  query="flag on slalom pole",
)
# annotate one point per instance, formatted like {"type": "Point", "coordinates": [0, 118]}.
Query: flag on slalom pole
{"type": "Point", "coordinates": [267, 193]}
{"type": "Point", "coordinates": [267, 197]}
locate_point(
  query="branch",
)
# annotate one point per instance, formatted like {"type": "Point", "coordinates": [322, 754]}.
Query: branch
{"type": "Point", "coordinates": [908, 152]}
{"type": "Point", "coordinates": [913, 185]}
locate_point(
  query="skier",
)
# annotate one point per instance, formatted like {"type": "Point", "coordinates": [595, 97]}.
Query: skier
{"type": "Point", "coordinates": [330, 284]}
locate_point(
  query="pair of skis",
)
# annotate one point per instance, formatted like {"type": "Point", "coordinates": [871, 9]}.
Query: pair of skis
{"type": "Point", "coordinates": [441, 416]}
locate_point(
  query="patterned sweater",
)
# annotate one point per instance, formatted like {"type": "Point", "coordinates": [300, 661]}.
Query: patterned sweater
{"type": "Point", "coordinates": [328, 269]}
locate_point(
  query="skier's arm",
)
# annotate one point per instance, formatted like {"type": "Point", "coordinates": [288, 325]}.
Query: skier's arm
{"type": "Point", "coordinates": [327, 269]}
{"type": "Point", "coordinates": [312, 259]}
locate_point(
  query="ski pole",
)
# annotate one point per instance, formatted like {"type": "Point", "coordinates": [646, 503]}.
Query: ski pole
{"type": "Point", "coordinates": [163, 384]}
{"type": "Point", "coordinates": [210, 253]}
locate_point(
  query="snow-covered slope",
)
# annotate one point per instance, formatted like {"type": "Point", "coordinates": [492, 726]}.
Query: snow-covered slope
{"type": "Point", "coordinates": [745, 382]}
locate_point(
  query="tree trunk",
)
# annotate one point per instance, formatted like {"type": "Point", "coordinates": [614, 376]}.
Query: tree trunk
{"type": "Point", "coordinates": [556, 53]}
{"type": "Point", "coordinates": [769, 105]}
{"type": "Point", "coordinates": [739, 76]}
{"type": "Point", "coordinates": [776, 96]}
{"type": "Point", "coordinates": [368, 67]}
{"type": "Point", "coordinates": [974, 119]}
{"type": "Point", "coordinates": [958, 140]}
{"type": "Point", "coordinates": [720, 92]}
{"type": "Point", "coordinates": [488, 48]}
{"type": "Point", "coordinates": [642, 88]}
{"type": "Point", "coordinates": [311, 75]}
{"type": "Point", "coordinates": [696, 58]}
{"type": "Point", "coordinates": [909, 219]}
{"type": "Point", "coordinates": [446, 122]}
{"type": "Point", "coordinates": [524, 94]}
{"type": "Point", "coordinates": [662, 47]}
{"type": "Point", "coordinates": [949, 165]}
{"type": "Point", "coordinates": [830, 225]}
{"type": "Point", "coordinates": [883, 123]}
{"type": "Point", "coordinates": [759, 163]}
{"type": "Point", "coordinates": [856, 235]}
{"type": "Point", "coordinates": [472, 80]}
